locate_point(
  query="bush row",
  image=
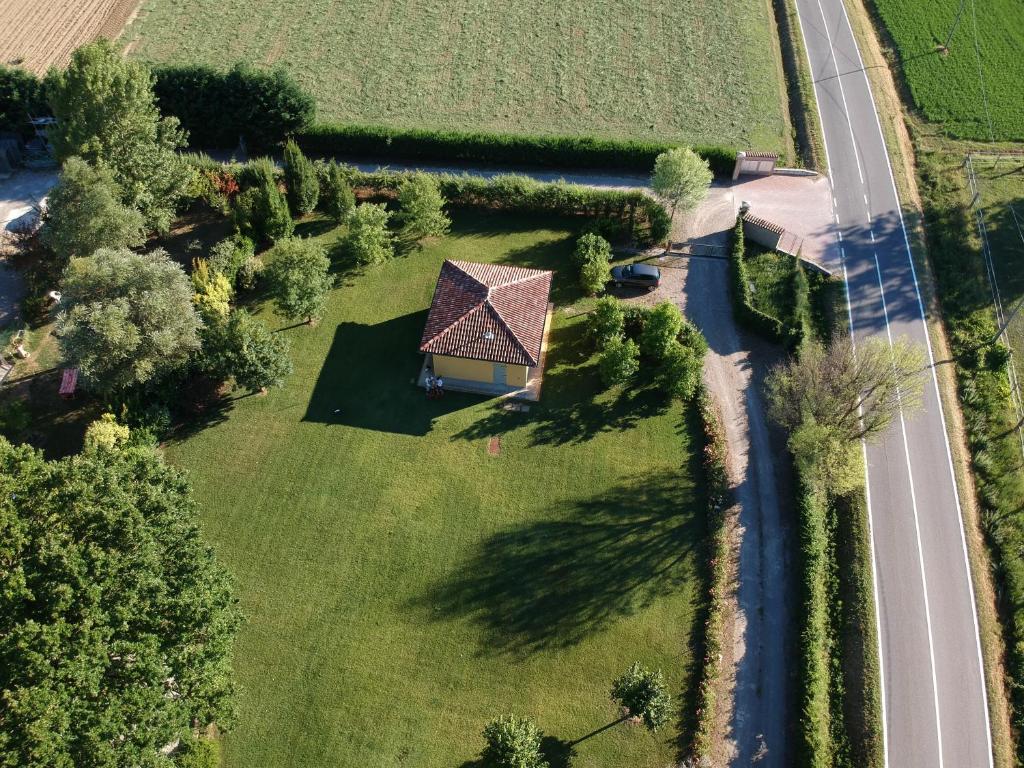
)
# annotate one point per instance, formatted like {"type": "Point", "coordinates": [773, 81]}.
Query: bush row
{"type": "Point", "coordinates": [640, 214]}
{"type": "Point", "coordinates": [746, 313]}
{"type": "Point", "coordinates": [384, 143]}
{"type": "Point", "coordinates": [21, 95]}
{"type": "Point", "coordinates": [718, 501]}
{"type": "Point", "coordinates": [984, 390]}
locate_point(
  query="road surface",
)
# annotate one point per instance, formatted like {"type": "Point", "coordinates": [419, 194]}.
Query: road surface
{"type": "Point", "coordinates": [933, 690]}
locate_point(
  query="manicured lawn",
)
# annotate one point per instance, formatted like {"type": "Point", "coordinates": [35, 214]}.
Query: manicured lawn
{"type": "Point", "coordinates": [403, 585]}
{"type": "Point", "coordinates": [702, 72]}
{"type": "Point", "coordinates": [948, 88]}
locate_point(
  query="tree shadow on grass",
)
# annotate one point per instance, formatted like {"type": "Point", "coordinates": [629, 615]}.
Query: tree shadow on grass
{"type": "Point", "coordinates": [554, 582]}
{"type": "Point", "coordinates": [368, 380]}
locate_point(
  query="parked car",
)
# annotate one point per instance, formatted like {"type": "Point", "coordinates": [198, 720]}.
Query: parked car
{"type": "Point", "coordinates": [642, 275]}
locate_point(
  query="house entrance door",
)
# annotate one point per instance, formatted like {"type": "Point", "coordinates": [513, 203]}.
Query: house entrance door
{"type": "Point", "coordinates": [500, 374]}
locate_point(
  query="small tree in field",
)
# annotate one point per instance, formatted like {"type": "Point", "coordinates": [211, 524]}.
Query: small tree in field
{"type": "Point", "coordinates": [369, 240]}
{"type": "Point", "coordinates": [299, 279]}
{"type": "Point", "coordinates": [300, 180]}
{"type": "Point", "coordinates": [643, 694]}
{"type": "Point", "coordinates": [336, 196]}
{"type": "Point", "coordinates": [84, 213]}
{"type": "Point", "coordinates": [607, 321]}
{"type": "Point", "coordinates": [664, 322]}
{"type": "Point", "coordinates": [512, 742]}
{"type": "Point", "coordinates": [679, 372]}
{"type": "Point", "coordinates": [422, 207]}
{"type": "Point", "coordinates": [681, 178]}
{"type": "Point", "coordinates": [619, 362]}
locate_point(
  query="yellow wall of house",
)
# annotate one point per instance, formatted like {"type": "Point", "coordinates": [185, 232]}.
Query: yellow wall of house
{"type": "Point", "coordinates": [478, 370]}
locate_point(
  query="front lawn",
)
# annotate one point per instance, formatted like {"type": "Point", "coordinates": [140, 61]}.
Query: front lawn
{"type": "Point", "coordinates": [403, 585]}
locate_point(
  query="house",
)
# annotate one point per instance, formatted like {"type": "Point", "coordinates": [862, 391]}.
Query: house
{"type": "Point", "coordinates": [487, 326]}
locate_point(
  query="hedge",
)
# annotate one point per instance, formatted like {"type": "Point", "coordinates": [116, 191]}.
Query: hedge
{"type": "Point", "coordinates": [217, 107]}
{"type": "Point", "coordinates": [383, 143]}
{"type": "Point", "coordinates": [21, 94]}
{"type": "Point", "coordinates": [718, 503]}
{"type": "Point", "coordinates": [746, 313]}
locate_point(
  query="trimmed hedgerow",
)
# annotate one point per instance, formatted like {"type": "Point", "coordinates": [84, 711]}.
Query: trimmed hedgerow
{"type": "Point", "coordinates": [384, 143]}
{"type": "Point", "coordinates": [746, 313]}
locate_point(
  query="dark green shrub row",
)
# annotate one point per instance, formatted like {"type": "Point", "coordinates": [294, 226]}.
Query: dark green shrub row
{"type": "Point", "coordinates": [984, 391]}
{"type": "Point", "coordinates": [217, 107]}
{"type": "Point", "coordinates": [21, 95]}
{"type": "Point", "coordinates": [384, 143]}
{"type": "Point", "coordinates": [719, 501]}
{"type": "Point", "coordinates": [746, 313]}
{"type": "Point", "coordinates": [636, 211]}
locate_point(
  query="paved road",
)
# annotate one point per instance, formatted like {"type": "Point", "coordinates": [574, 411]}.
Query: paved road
{"type": "Point", "coordinates": [936, 711]}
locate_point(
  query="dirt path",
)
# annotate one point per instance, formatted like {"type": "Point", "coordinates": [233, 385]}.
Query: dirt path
{"type": "Point", "coordinates": [755, 732]}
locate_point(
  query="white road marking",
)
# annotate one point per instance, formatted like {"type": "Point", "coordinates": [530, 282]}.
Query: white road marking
{"type": "Point", "coordinates": [935, 383]}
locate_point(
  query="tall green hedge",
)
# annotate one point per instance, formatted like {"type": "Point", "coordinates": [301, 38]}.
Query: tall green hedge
{"type": "Point", "coordinates": [384, 143]}
{"type": "Point", "coordinates": [746, 313]}
{"type": "Point", "coordinates": [217, 107]}
{"type": "Point", "coordinates": [21, 95]}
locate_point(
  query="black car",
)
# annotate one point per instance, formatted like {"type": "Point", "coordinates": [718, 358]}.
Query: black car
{"type": "Point", "coordinates": [643, 275]}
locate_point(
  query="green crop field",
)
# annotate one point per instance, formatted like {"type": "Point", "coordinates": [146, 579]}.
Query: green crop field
{"type": "Point", "coordinates": [947, 87]}
{"type": "Point", "coordinates": [703, 72]}
{"type": "Point", "coordinates": [405, 579]}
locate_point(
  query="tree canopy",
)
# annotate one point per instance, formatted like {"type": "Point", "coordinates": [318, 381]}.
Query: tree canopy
{"type": "Point", "coordinates": [512, 742]}
{"type": "Point", "coordinates": [84, 212]}
{"type": "Point", "coordinates": [106, 114]}
{"type": "Point", "coordinates": [422, 207]}
{"type": "Point", "coordinates": [300, 180]}
{"type": "Point", "coordinates": [681, 178]}
{"type": "Point", "coordinates": [243, 348]}
{"type": "Point", "coordinates": [643, 694]}
{"type": "Point", "coordinates": [369, 241]}
{"type": "Point", "coordinates": [299, 276]}
{"type": "Point", "coordinates": [116, 621]}
{"type": "Point", "coordinates": [128, 318]}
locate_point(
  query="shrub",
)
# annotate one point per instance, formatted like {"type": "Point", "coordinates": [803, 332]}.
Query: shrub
{"type": "Point", "coordinates": [512, 742]}
{"type": "Point", "coordinates": [230, 255]}
{"type": "Point", "coordinates": [249, 273]}
{"type": "Point", "coordinates": [195, 752]}
{"type": "Point", "coordinates": [217, 107]}
{"type": "Point", "coordinates": [299, 279]}
{"type": "Point", "coordinates": [213, 292]}
{"type": "Point", "coordinates": [592, 257]}
{"type": "Point", "coordinates": [336, 196]}
{"type": "Point", "coordinates": [661, 330]}
{"type": "Point", "coordinates": [619, 362]}
{"type": "Point", "coordinates": [300, 180]}
{"type": "Point", "coordinates": [244, 349]}
{"type": "Point", "coordinates": [21, 95]}
{"type": "Point", "coordinates": [368, 240]}
{"type": "Point", "coordinates": [607, 321]}
{"type": "Point", "coordinates": [680, 370]}
{"type": "Point", "coordinates": [495, 148]}
{"type": "Point", "coordinates": [105, 434]}
{"type": "Point", "coordinates": [261, 211]}
{"type": "Point", "coordinates": [644, 695]}
{"type": "Point", "coordinates": [15, 418]}
{"type": "Point", "coordinates": [421, 204]}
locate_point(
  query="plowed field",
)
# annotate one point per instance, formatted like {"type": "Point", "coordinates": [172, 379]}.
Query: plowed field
{"type": "Point", "coordinates": [38, 34]}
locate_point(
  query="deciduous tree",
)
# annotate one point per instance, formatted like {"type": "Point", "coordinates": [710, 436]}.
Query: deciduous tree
{"type": "Point", "coordinates": [619, 362]}
{"type": "Point", "coordinates": [680, 370]}
{"type": "Point", "coordinates": [243, 348]}
{"type": "Point", "coordinates": [592, 257]}
{"type": "Point", "coordinates": [128, 318]}
{"type": "Point", "coordinates": [661, 329]}
{"type": "Point", "coordinates": [681, 178]}
{"type": "Point", "coordinates": [299, 279]}
{"type": "Point", "coordinates": [116, 621]}
{"type": "Point", "coordinates": [369, 240]}
{"type": "Point", "coordinates": [607, 321]}
{"type": "Point", "coordinates": [421, 205]}
{"type": "Point", "coordinates": [512, 742]}
{"type": "Point", "coordinates": [643, 694]}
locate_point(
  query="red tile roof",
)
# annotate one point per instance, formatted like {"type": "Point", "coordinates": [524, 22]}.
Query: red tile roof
{"type": "Point", "coordinates": [488, 312]}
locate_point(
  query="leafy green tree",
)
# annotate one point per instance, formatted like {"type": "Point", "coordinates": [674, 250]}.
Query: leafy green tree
{"type": "Point", "coordinates": [825, 459]}
{"type": "Point", "coordinates": [105, 434]}
{"type": "Point", "coordinates": [661, 329]}
{"type": "Point", "coordinates": [261, 211]}
{"type": "Point", "coordinates": [128, 318]}
{"type": "Point", "coordinates": [680, 370]}
{"type": "Point", "coordinates": [619, 362]}
{"type": "Point", "coordinates": [369, 240]}
{"type": "Point", "coordinates": [21, 95]}
{"type": "Point", "coordinates": [299, 279]}
{"type": "Point", "coordinates": [643, 694]}
{"type": "Point", "coordinates": [300, 180]}
{"type": "Point", "coordinates": [856, 393]}
{"type": "Point", "coordinates": [422, 207]}
{"type": "Point", "coordinates": [592, 257]}
{"type": "Point", "coordinates": [607, 321]}
{"type": "Point", "coordinates": [681, 178]}
{"type": "Point", "coordinates": [106, 114]}
{"type": "Point", "coordinates": [116, 621]}
{"type": "Point", "coordinates": [84, 213]}
{"type": "Point", "coordinates": [512, 742]}
{"type": "Point", "coordinates": [230, 255]}
{"type": "Point", "coordinates": [336, 196]}
{"type": "Point", "coordinates": [243, 348]}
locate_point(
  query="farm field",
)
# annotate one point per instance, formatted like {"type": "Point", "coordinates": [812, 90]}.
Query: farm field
{"type": "Point", "coordinates": [402, 583]}
{"type": "Point", "coordinates": [701, 72]}
{"type": "Point", "coordinates": [38, 35]}
{"type": "Point", "coordinates": [947, 88]}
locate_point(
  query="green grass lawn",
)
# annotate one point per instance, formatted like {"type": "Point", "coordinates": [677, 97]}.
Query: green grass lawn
{"type": "Point", "coordinates": [948, 88]}
{"type": "Point", "coordinates": [700, 72]}
{"type": "Point", "coordinates": [403, 585]}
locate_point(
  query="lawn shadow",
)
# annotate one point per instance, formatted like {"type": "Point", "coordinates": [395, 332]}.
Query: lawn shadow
{"type": "Point", "coordinates": [554, 582]}
{"type": "Point", "coordinates": [368, 380]}
{"type": "Point", "coordinates": [314, 226]}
